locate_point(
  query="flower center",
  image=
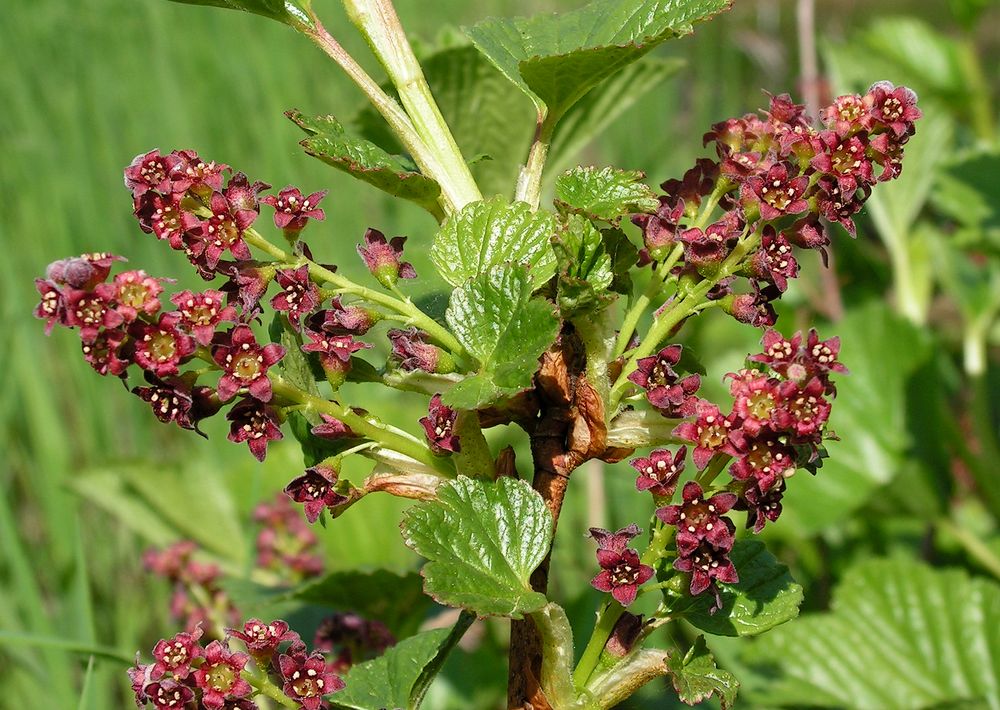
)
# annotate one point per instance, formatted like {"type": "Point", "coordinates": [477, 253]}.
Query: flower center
{"type": "Point", "coordinates": [162, 346]}
{"type": "Point", "coordinates": [220, 677]}
{"type": "Point", "coordinates": [247, 366]}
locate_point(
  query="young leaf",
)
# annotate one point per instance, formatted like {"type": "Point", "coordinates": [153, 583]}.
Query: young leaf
{"type": "Point", "coordinates": [281, 10]}
{"type": "Point", "coordinates": [494, 316]}
{"type": "Point", "coordinates": [557, 59]}
{"type": "Point", "coordinates": [394, 174]}
{"type": "Point", "coordinates": [606, 194]}
{"type": "Point", "coordinates": [482, 541]}
{"type": "Point", "coordinates": [696, 677]}
{"type": "Point", "coordinates": [900, 635]}
{"type": "Point", "coordinates": [492, 232]}
{"type": "Point", "coordinates": [766, 596]}
{"type": "Point", "coordinates": [585, 269]}
{"type": "Point", "coordinates": [400, 677]}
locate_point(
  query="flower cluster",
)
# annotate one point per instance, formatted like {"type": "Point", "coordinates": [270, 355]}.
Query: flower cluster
{"type": "Point", "coordinates": [285, 542]}
{"type": "Point", "coordinates": [782, 180]}
{"type": "Point", "coordinates": [215, 677]}
{"type": "Point", "coordinates": [196, 591]}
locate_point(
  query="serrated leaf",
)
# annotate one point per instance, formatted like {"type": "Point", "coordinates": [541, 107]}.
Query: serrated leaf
{"type": "Point", "coordinates": [766, 595]}
{"type": "Point", "coordinates": [399, 677]}
{"type": "Point", "coordinates": [557, 58]}
{"type": "Point", "coordinates": [899, 635]}
{"type": "Point", "coordinates": [607, 193]}
{"type": "Point", "coordinates": [585, 268]}
{"type": "Point", "coordinates": [482, 541]}
{"type": "Point", "coordinates": [281, 10]}
{"type": "Point", "coordinates": [394, 174]}
{"type": "Point", "coordinates": [696, 677]}
{"type": "Point", "coordinates": [498, 322]}
{"type": "Point", "coordinates": [491, 232]}
{"type": "Point", "coordinates": [396, 600]}
{"type": "Point", "coordinates": [590, 116]}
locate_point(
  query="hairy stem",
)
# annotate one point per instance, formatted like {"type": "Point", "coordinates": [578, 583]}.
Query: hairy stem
{"type": "Point", "coordinates": [378, 22]}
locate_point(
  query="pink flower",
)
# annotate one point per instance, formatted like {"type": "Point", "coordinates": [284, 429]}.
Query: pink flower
{"type": "Point", "coordinates": [201, 313]}
{"type": "Point", "coordinates": [161, 347]}
{"type": "Point", "coordinates": [245, 363]}
{"type": "Point", "coordinates": [219, 676]}
{"type": "Point", "coordinates": [439, 426]}
{"type": "Point", "coordinates": [621, 570]}
{"type": "Point", "coordinates": [316, 490]}
{"type": "Point", "coordinates": [175, 655]}
{"type": "Point", "coordinates": [383, 258]}
{"type": "Point", "coordinates": [299, 295]}
{"type": "Point", "coordinates": [659, 472]}
{"type": "Point", "coordinates": [292, 210]}
{"type": "Point", "coordinates": [307, 679]}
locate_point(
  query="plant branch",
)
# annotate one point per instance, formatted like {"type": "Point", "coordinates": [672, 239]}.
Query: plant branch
{"type": "Point", "coordinates": [529, 181]}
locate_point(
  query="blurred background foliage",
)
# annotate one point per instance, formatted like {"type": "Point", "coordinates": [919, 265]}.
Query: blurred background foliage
{"type": "Point", "coordinates": [90, 479]}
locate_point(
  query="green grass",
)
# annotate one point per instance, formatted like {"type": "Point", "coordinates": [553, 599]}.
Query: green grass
{"type": "Point", "coordinates": [87, 86]}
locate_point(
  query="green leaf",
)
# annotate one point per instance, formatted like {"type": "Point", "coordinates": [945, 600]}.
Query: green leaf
{"type": "Point", "coordinates": [899, 635]}
{"type": "Point", "coordinates": [482, 541]}
{"type": "Point", "coordinates": [599, 109]}
{"type": "Point", "coordinates": [492, 232]}
{"type": "Point", "coordinates": [557, 58]}
{"type": "Point", "coordinates": [766, 595]}
{"type": "Point", "coordinates": [280, 10]}
{"type": "Point", "coordinates": [400, 677]}
{"type": "Point", "coordinates": [394, 174]}
{"type": "Point", "coordinates": [967, 189]}
{"type": "Point", "coordinates": [396, 600]}
{"type": "Point", "coordinates": [494, 316]}
{"type": "Point", "coordinates": [606, 194]}
{"type": "Point", "coordinates": [585, 268]}
{"type": "Point", "coordinates": [696, 677]}
{"type": "Point", "coordinates": [623, 255]}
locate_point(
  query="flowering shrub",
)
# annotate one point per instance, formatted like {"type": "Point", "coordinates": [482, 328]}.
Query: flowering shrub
{"type": "Point", "coordinates": [534, 335]}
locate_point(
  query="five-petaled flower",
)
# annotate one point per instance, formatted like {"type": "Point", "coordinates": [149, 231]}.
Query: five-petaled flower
{"type": "Point", "coordinates": [244, 364]}
{"type": "Point", "coordinates": [255, 423]}
{"type": "Point", "coordinates": [201, 313]}
{"type": "Point", "coordinates": [660, 471]}
{"type": "Point", "coordinates": [439, 425]}
{"type": "Point", "coordinates": [316, 490]}
{"type": "Point", "coordinates": [175, 655]}
{"type": "Point", "coordinates": [219, 676]}
{"type": "Point", "coordinates": [299, 295]}
{"type": "Point", "coordinates": [293, 210]}
{"type": "Point", "coordinates": [307, 679]}
{"type": "Point", "coordinates": [622, 572]}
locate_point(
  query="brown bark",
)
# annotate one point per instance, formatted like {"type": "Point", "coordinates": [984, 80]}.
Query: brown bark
{"type": "Point", "coordinates": [569, 430]}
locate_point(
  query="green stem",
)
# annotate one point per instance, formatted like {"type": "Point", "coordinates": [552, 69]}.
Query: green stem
{"type": "Point", "coordinates": [973, 545]}
{"type": "Point", "coordinates": [607, 617]}
{"type": "Point", "coordinates": [713, 469]}
{"type": "Point", "coordinates": [378, 22]}
{"type": "Point", "coordinates": [529, 181]}
{"type": "Point", "coordinates": [414, 315]}
{"type": "Point", "coordinates": [639, 307]}
{"type": "Point", "coordinates": [371, 429]}
{"type": "Point", "coordinates": [681, 310]}
{"type": "Point", "coordinates": [264, 686]}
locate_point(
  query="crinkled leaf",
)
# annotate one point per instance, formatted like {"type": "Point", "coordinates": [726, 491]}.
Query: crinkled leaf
{"type": "Point", "coordinates": [394, 174]}
{"type": "Point", "coordinates": [590, 116]}
{"type": "Point", "coordinates": [494, 316]}
{"type": "Point", "coordinates": [766, 595]}
{"type": "Point", "coordinates": [400, 677]}
{"type": "Point", "coordinates": [396, 600]}
{"type": "Point", "coordinates": [585, 268]}
{"type": "Point", "coordinates": [557, 58]}
{"type": "Point", "coordinates": [696, 677]}
{"type": "Point", "coordinates": [491, 232]}
{"type": "Point", "coordinates": [482, 541]}
{"type": "Point", "coordinates": [606, 194]}
{"type": "Point", "coordinates": [899, 635]}
{"type": "Point", "coordinates": [280, 10]}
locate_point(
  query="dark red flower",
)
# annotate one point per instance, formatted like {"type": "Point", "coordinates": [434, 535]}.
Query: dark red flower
{"type": "Point", "coordinates": [845, 115]}
{"type": "Point", "coordinates": [659, 230]}
{"type": "Point", "coordinates": [168, 694]}
{"type": "Point", "coordinates": [161, 347]}
{"type": "Point", "coordinates": [839, 205]}
{"type": "Point", "coordinates": [711, 432]}
{"type": "Point", "coordinates": [163, 216]}
{"type": "Point", "coordinates": [777, 192]}
{"type": "Point", "coordinates": [844, 159]}
{"type": "Point", "coordinates": [139, 677]}
{"type": "Point", "coordinates": [177, 400]}
{"type": "Point", "coordinates": [175, 655]}
{"type": "Point", "coordinates": [190, 172]}
{"type": "Point", "coordinates": [245, 363]}
{"type": "Point", "coordinates": [767, 461]}
{"type": "Point", "coordinates": [761, 505]}
{"type": "Point", "coordinates": [413, 352]}
{"type": "Point", "coordinates": [299, 295]}
{"type": "Point", "coordinates": [707, 564]}
{"type": "Point", "coordinates": [712, 245]}
{"type": "Point", "coordinates": [219, 233]}
{"type": "Point", "coordinates": [339, 319]}
{"type": "Point", "coordinates": [150, 171]}
{"type": "Point", "coordinates": [383, 258]}
{"type": "Point", "coordinates": [699, 519]}
{"type": "Point", "coordinates": [779, 353]}
{"type": "Point", "coordinates": [105, 354]}
{"type": "Point", "coordinates": [219, 676]}
{"type": "Point", "coordinates": [892, 106]}
{"type": "Point", "coordinates": [292, 210]}
{"type": "Point", "coordinates": [664, 387]}
{"type": "Point", "coordinates": [307, 679]}
{"type": "Point", "coordinates": [774, 261]}
{"type": "Point", "coordinates": [243, 199]}
{"type": "Point", "coordinates": [804, 409]}
{"type": "Point", "coordinates": [439, 426]}
{"type": "Point", "coordinates": [757, 398]}
{"type": "Point", "coordinates": [820, 356]}
{"type": "Point", "coordinates": [52, 307]}
{"type": "Point", "coordinates": [255, 423]}
{"type": "Point", "coordinates": [201, 313]}
{"type": "Point", "coordinates": [316, 490]}
{"type": "Point", "coordinates": [90, 311]}
{"type": "Point", "coordinates": [756, 308]}
{"type": "Point", "coordinates": [247, 284]}
{"type": "Point", "coordinates": [334, 353]}
{"type": "Point", "coordinates": [262, 639]}
{"type": "Point", "coordinates": [660, 471]}
{"type": "Point", "coordinates": [621, 570]}
{"type": "Point", "coordinates": [332, 428]}
{"type": "Point", "coordinates": [82, 272]}
{"type": "Point", "coordinates": [135, 292]}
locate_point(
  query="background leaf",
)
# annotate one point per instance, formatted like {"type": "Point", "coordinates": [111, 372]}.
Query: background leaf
{"type": "Point", "coordinates": [482, 541]}
{"type": "Point", "coordinates": [280, 10]}
{"type": "Point", "coordinates": [696, 677]}
{"type": "Point", "coordinates": [899, 635]}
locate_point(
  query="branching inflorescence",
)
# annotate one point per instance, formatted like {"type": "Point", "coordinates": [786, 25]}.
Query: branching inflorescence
{"type": "Point", "coordinates": [530, 338]}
